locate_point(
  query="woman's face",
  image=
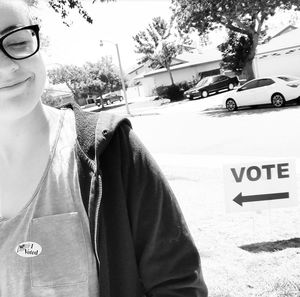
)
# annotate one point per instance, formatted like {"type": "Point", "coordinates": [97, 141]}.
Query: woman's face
{"type": "Point", "coordinates": [21, 81]}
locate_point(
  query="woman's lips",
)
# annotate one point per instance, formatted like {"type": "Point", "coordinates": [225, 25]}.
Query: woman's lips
{"type": "Point", "coordinates": [13, 84]}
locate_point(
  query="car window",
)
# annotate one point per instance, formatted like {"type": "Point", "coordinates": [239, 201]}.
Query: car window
{"type": "Point", "coordinates": [222, 78]}
{"type": "Point", "coordinates": [210, 80]}
{"type": "Point", "coordinates": [250, 85]}
{"type": "Point", "coordinates": [265, 82]}
{"type": "Point", "coordinates": [203, 82]}
{"type": "Point", "coordinates": [218, 78]}
{"type": "Point", "coordinates": [288, 78]}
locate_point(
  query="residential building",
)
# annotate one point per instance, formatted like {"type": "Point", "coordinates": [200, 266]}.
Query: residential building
{"type": "Point", "coordinates": [185, 68]}
{"type": "Point", "coordinates": [281, 55]}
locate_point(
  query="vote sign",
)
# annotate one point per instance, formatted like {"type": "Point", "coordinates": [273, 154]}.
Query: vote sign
{"type": "Point", "coordinates": [260, 185]}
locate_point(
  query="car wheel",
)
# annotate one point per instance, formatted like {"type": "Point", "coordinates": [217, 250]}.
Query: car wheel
{"type": "Point", "coordinates": [230, 86]}
{"type": "Point", "coordinates": [231, 105]}
{"type": "Point", "coordinates": [278, 100]}
{"type": "Point", "coordinates": [204, 94]}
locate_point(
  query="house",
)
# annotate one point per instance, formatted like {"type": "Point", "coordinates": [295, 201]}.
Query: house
{"type": "Point", "coordinates": [59, 93]}
{"type": "Point", "coordinates": [141, 69]}
{"type": "Point", "coordinates": [135, 71]}
{"type": "Point", "coordinates": [185, 67]}
{"type": "Point", "coordinates": [284, 30]}
{"type": "Point", "coordinates": [281, 55]}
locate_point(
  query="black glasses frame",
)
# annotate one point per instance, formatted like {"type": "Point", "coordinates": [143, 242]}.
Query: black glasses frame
{"type": "Point", "coordinates": [34, 28]}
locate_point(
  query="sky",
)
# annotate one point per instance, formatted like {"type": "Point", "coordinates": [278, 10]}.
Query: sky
{"type": "Point", "coordinates": [115, 22]}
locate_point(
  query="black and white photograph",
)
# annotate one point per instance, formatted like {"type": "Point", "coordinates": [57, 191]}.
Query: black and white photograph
{"type": "Point", "coordinates": [148, 148]}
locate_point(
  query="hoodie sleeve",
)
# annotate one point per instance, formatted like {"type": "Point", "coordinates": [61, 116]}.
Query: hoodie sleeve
{"type": "Point", "coordinates": [168, 261]}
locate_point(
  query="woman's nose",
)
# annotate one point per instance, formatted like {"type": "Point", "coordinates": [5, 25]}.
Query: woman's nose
{"type": "Point", "coordinates": [7, 64]}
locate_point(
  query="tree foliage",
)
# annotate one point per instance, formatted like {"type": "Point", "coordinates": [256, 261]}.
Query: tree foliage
{"type": "Point", "coordinates": [159, 44]}
{"type": "Point", "coordinates": [101, 77]}
{"type": "Point", "coordinates": [50, 100]}
{"type": "Point", "coordinates": [63, 7]}
{"type": "Point", "coordinates": [89, 79]}
{"type": "Point", "coordinates": [73, 76]}
{"type": "Point", "coordinates": [235, 52]}
{"type": "Point", "coordinates": [245, 17]}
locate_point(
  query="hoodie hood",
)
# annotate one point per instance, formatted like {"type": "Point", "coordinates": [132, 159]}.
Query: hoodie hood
{"type": "Point", "coordinates": [104, 123]}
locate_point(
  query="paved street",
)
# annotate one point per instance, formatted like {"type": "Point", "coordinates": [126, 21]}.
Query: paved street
{"type": "Point", "coordinates": [202, 132]}
{"type": "Point", "coordinates": [192, 140]}
{"type": "Point", "coordinates": [202, 127]}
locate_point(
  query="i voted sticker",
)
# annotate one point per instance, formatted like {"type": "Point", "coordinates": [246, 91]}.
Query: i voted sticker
{"type": "Point", "coordinates": [28, 249]}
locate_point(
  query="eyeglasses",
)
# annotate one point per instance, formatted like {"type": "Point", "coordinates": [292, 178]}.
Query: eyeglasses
{"type": "Point", "coordinates": [21, 43]}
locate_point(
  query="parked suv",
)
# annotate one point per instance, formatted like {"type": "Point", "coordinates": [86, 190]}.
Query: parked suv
{"type": "Point", "coordinates": [109, 98]}
{"type": "Point", "coordinates": [211, 84]}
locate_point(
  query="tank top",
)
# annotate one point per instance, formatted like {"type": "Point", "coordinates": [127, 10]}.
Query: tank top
{"type": "Point", "coordinates": [46, 249]}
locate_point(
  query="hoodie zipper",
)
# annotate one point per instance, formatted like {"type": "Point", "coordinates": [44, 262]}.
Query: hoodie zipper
{"type": "Point", "coordinates": [97, 213]}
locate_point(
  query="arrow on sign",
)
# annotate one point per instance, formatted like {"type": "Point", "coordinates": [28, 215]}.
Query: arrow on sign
{"type": "Point", "coordinates": [240, 199]}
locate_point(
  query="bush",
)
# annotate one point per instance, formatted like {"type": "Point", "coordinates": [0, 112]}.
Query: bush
{"type": "Point", "coordinates": [185, 85]}
{"type": "Point", "coordinates": [172, 92]}
{"type": "Point", "coordinates": [161, 91]}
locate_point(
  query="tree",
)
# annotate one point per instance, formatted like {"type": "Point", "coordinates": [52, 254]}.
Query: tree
{"type": "Point", "coordinates": [73, 76]}
{"type": "Point", "coordinates": [101, 77]}
{"type": "Point", "coordinates": [104, 71]}
{"type": "Point", "coordinates": [48, 99]}
{"type": "Point", "coordinates": [91, 78]}
{"type": "Point", "coordinates": [159, 44]}
{"type": "Point", "coordinates": [63, 7]}
{"type": "Point", "coordinates": [244, 17]}
{"type": "Point", "coordinates": [235, 52]}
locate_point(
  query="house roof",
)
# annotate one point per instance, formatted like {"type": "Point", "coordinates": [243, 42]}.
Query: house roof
{"type": "Point", "coordinates": [58, 90]}
{"type": "Point", "coordinates": [191, 59]}
{"type": "Point", "coordinates": [284, 30]}
{"type": "Point", "coordinates": [206, 55]}
{"type": "Point", "coordinates": [177, 61]}
{"type": "Point", "coordinates": [134, 68]}
{"type": "Point", "coordinates": [285, 40]}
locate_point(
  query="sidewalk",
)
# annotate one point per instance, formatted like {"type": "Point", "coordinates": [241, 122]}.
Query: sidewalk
{"type": "Point", "coordinates": [141, 106]}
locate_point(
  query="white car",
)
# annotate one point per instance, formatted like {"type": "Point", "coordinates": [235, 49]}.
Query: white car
{"type": "Point", "coordinates": [268, 90]}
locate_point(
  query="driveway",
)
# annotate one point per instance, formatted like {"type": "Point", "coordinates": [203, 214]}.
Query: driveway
{"type": "Point", "coordinates": [204, 127]}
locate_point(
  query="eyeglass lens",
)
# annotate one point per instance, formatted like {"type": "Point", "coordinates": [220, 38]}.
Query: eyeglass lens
{"type": "Point", "coordinates": [21, 44]}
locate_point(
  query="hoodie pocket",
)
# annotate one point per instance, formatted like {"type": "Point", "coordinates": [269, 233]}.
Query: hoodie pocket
{"type": "Point", "coordinates": [63, 259]}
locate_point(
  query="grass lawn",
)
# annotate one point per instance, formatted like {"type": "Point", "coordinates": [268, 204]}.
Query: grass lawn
{"type": "Point", "coordinates": [243, 254]}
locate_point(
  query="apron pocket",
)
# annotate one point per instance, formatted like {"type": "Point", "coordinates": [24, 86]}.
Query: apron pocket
{"type": "Point", "coordinates": [63, 259]}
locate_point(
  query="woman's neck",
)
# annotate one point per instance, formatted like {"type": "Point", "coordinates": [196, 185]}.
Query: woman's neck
{"type": "Point", "coordinates": [20, 137]}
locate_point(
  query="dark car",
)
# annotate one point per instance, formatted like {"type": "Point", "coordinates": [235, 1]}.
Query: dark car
{"type": "Point", "coordinates": [211, 84]}
{"type": "Point", "coordinates": [109, 98]}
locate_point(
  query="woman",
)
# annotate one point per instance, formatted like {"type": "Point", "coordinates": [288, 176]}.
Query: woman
{"type": "Point", "coordinates": [84, 209]}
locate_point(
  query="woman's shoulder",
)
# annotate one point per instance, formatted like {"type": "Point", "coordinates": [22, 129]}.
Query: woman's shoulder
{"type": "Point", "coordinates": [95, 129]}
